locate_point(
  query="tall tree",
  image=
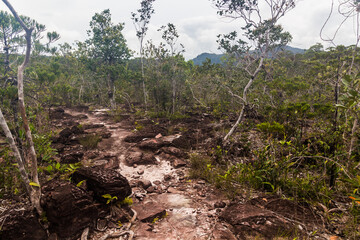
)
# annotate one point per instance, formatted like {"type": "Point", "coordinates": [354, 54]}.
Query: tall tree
{"type": "Point", "coordinates": [263, 37]}
{"type": "Point", "coordinates": [107, 47]}
{"type": "Point", "coordinates": [141, 20]}
{"type": "Point", "coordinates": [170, 36]}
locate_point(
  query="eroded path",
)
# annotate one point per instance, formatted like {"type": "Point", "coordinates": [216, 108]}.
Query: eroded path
{"type": "Point", "coordinates": [168, 205]}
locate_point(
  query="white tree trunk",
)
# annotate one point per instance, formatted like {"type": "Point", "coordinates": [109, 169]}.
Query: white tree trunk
{"type": "Point", "coordinates": [35, 192]}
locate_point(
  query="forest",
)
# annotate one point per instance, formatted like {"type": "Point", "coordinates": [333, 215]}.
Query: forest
{"type": "Point", "coordinates": [101, 141]}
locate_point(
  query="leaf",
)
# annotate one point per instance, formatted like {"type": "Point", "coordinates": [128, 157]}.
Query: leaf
{"type": "Point", "coordinates": [106, 196]}
{"type": "Point", "coordinates": [80, 183]}
{"type": "Point", "coordinates": [34, 184]}
{"type": "Point", "coordinates": [49, 168]}
{"type": "Point", "coordinates": [340, 106]}
{"type": "Point", "coordinates": [57, 166]}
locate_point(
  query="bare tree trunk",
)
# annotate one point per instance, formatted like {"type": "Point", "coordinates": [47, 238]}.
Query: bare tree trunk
{"type": "Point", "coordinates": [173, 94]}
{"type": "Point", "coordinates": [35, 192]}
{"type": "Point", "coordinates": [16, 152]}
{"type": "Point", "coordinates": [244, 98]}
{"type": "Point", "coordinates": [143, 75]}
{"type": "Point", "coordinates": [353, 137]}
{"type": "Point", "coordinates": [232, 130]}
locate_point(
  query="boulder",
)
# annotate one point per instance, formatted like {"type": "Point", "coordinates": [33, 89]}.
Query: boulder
{"type": "Point", "coordinates": [251, 221]}
{"type": "Point", "coordinates": [178, 163]}
{"type": "Point", "coordinates": [139, 158]}
{"type": "Point", "coordinates": [72, 157]}
{"type": "Point", "coordinates": [21, 224]}
{"type": "Point", "coordinates": [103, 181]}
{"type": "Point", "coordinates": [138, 137]}
{"type": "Point", "coordinates": [149, 211]}
{"type": "Point", "coordinates": [152, 144]}
{"type": "Point", "coordinates": [174, 152]}
{"type": "Point", "coordinates": [68, 208]}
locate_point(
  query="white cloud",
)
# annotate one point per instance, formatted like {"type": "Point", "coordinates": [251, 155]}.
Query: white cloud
{"type": "Point", "coordinates": [196, 21]}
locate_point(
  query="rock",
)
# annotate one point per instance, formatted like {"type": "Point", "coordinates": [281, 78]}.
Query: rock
{"type": "Point", "coordinates": [58, 146]}
{"type": "Point", "coordinates": [157, 182]}
{"type": "Point", "coordinates": [81, 116]}
{"type": "Point", "coordinates": [201, 182]}
{"type": "Point", "coordinates": [249, 220]}
{"type": "Point", "coordinates": [138, 158]}
{"type": "Point", "coordinates": [77, 130]}
{"type": "Point", "coordinates": [105, 135]}
{"type": "Point", "coordinates": [68, 208]}
{"type": "Point", "coordinates": [151, 189]}
{"type": "Point", "coordinates": [149, 211]}
{"type": "Point", "coordinates": [178, 163]}
{"type": "Point", "coordinates": [174, 152]}
{"type": "Point", "coordinates": [133, 158]}
{"type": "Point", "coordinates": [140, 172]}
{"type": "Point", "coordinates": [64, 135]}
{"type": "Point", "coordinates": [167, 177]}
{"type": "Point", "coordinates": [152, 144]}
{"type": "Point", "coordinates": [148, 158]}
{"type": "Point", "coordinates": [182, 142]}
{"type": "Point", "coordinates": [220, 204]}
{"type": "Point", "coordinates": [133, 183]}
{"type": "Point", "coordinates": [103, 181]}
{"type": "Point", "coordinates": [145, 183]}
{"type": "Point", "coordinates": [138, 137]}
{"type": "Point", "coordinates": [21, 224]}
{"type": "Point", "coordinates": [72, 157]}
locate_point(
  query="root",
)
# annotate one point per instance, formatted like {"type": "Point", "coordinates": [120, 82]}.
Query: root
{"type": "Point", "coordinates": [125, 230]}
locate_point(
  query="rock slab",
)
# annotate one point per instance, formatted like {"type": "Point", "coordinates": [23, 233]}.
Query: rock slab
{"type": "Point", "coordinates": [68, 208]}
{"type": "Point", "coordinates": [103, 181]}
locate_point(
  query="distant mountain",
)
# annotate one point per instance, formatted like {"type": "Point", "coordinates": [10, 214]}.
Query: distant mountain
{"type": "Point", "coordinates": [216, 58]}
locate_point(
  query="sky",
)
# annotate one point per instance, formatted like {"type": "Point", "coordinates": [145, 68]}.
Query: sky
{"type": "Point", "coordinates": [196, 21]}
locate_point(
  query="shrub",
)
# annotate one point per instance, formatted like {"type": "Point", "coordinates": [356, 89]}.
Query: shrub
{"type": "Point", "coordinates": [90, 141]}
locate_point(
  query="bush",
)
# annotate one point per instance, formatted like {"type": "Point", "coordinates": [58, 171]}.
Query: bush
{"type": "Point", "coordinates": [90, 141]}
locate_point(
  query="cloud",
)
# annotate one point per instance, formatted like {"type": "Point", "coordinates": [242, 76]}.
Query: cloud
{"type": "Point", "coordinates": [196, 21]}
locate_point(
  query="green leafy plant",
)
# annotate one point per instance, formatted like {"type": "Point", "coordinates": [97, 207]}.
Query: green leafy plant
{"type": "Point", "coordinates": [128, 201]}
{"type": "Point", "coordinates": [110, 199]}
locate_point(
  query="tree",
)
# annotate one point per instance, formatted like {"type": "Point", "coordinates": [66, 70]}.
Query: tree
{"type": "Point", "coordinates": [170, 36]}
{"type": "Point", "coordinates": [106, 47]}
{"type": "Point", "coordinates": [263, 38]}
{"type": "Point", "coordinates": [31, 182]}
{"type": "Point", "coordinates": [141, 20]}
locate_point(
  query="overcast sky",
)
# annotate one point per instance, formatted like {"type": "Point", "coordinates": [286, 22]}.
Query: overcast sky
{"type": "Point", "coordinates": [196, 21]}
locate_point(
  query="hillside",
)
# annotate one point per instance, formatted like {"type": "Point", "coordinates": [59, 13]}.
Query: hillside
{"type": "Point", "coordinates": [216, 58]}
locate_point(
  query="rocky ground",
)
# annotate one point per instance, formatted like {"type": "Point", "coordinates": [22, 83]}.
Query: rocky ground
{"type": "Point", "coordinates": [144, 161]}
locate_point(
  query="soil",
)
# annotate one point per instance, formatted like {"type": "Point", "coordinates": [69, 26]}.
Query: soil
{"type": "Point", "coordinates": [167, 205]}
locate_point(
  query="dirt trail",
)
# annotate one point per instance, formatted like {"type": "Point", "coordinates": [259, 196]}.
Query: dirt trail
{"type": "Point", "coordinates": [174, 207]}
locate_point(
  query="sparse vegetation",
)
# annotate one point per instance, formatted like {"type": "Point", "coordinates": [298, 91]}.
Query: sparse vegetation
{"type": "Point", "coordinates": [262, 120]}
{"type": "Point", "coordinates": [90, 141]}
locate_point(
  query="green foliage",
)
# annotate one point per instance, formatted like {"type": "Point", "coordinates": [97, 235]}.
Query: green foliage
{"type": "Point", "coordinates": [276, 129]}
{"type": "Point", "coordinates": [42, 143]}
{"type": "Point", "coordinates": [10, 183]}
{"type": "Point", "coordinates": [128, 201]}
{"type": "Point", "coordinates": [201, 167]}
{"type": "Point", "coordinates": [106, 43]}
{"type": "Point", "coordinates": [138, 126]}
{"type": "Point", "coordinates": [110, 199]}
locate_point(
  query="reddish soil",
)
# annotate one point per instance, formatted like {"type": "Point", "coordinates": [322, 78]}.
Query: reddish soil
{"type": "Point", "coordinates": [167, 204]}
